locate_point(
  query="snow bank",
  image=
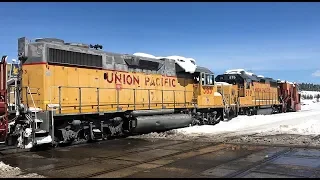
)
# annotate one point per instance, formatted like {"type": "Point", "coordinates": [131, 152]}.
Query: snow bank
{"type": "Point", "coordinates": [310, 93]}
{"type": "Point", "coordinates": [295, 128]}
{"type": "Point", "coordinates": [304, 122]}
{"type": "Point", "coordinates": [7, 171]}
{"type": "Point", "coordinates": [257, 123]}
{"type": "Point", "coordinates": [305, 127]}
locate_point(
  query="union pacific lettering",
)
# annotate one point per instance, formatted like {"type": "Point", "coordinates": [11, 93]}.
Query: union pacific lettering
{"type": "Point", "coordinates": [265, 90]}
{"type": "Point", "coordinates": [131, 79]}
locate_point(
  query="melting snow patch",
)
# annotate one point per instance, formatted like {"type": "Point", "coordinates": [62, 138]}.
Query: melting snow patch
{"type": "Point", "coordinates": [305, 122]}
{"type": "Point", "coordinates": [7, 171]}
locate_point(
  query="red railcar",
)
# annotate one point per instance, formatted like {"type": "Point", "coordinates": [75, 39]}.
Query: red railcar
{"type": "Point", "coordinates": [3, 99]}
{"type": "Point", "coordinates": [289, 94]}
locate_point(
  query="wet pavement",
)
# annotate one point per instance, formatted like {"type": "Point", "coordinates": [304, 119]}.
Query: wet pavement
{"type": "Point", "coordinates": [152, 158]}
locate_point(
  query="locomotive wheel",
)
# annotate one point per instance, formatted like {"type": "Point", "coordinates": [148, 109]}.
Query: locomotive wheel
{"type": "Point", "coordinates": [230, 115]}
{"type": "Point", "coordinates": [56, 142]}
{"type": "Point", "coordinates": [10, 141]}
{"type": "Point", "coordinates": [86, 135]}
{"type": "Point", "coordinates": [213, 120]}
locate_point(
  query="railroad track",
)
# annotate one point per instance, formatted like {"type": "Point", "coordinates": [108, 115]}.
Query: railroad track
{"type": "Point", "coordinates": [126, 153]}
{"type": "Point", "coordinates": [150, 160]}
{"type": "Point", "coordinates": [256, 165]}
{"type": "Point", "coordinates": [130, 152]}
{"type": "Point", "coordinates": [5, 150]}
{"type": "Point", "coordinates": [239, 173]}
{"type": "Point", "coordinates": [205, 144]}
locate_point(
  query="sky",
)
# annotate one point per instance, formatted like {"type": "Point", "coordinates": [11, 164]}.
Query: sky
{"type": "Point", "coordinates": [278, 40]}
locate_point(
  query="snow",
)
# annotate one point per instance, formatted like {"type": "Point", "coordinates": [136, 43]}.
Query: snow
{"type": "Point", "coordinates": [238, 71]}
{"type": "Point", "coordinates": [284, 81]}
{"type": "Point", "coordinates": [234, 71]}
{"type": "Point", "coordinates": [222, 83]}
{"type": "Point", "coordinates": [262, 123]}
{"type": "Point", "coordinates": [188, 64]}
{"type": "Point", "coordinates": [313, 93]}
{"type": "Point", "coordinates": [144, 55]}
{"type": "Point", "coordinates": [44, 140]}
{"type": "Point", "coordinates": [217, 94]}
{"type": "Point", "coordinates": [7, 171]}
{"type": "Point", "coordinates": [283, 128]}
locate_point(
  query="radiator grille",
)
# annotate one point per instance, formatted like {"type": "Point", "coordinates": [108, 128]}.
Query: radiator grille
{"type": "Point", "coordinates": [57, 56]}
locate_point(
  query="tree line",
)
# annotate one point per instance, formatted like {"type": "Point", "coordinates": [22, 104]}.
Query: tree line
{"type": "Point", "coordinates": [309, 96]}
{"type": "Point", "coordinates": [309, 87]}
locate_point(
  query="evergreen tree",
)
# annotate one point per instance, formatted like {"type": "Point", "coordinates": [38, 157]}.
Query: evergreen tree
{"type": "Point", "coordinates": [309, 87]}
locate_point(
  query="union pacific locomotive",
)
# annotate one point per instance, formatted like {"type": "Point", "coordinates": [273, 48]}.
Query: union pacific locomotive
{"type": "Point", "coordinates": [70, 92]}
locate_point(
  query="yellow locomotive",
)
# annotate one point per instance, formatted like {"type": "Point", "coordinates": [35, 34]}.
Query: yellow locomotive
{"type": "Point", "coordinates": [249, 94]}
{"type": "Point", "coordinates": [67, 92]}
{"type": "Point", "coordinates": [71, 92]}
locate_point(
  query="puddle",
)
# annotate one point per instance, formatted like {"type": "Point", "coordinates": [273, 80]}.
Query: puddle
{"type": "Point", "coordinates": [307, 152]}
{"type": "Point", "coordinates": [298, 161]}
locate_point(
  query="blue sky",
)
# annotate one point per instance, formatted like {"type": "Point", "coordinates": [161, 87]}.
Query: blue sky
{"type": "Point", "coordinates": [279, 40]}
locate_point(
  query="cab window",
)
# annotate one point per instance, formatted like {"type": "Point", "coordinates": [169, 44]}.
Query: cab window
{"type": "Point", "coordinates": [207, 79]}
{"type": "Point", "coordinates": [248, 85]}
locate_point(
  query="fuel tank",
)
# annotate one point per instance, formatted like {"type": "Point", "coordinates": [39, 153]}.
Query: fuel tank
{"type": "Point", "coordinates": [152, 112]}
{"type": "Point", "coordinates": [147, 124]}
{"type": "Point", "coordinates": [265, 111]}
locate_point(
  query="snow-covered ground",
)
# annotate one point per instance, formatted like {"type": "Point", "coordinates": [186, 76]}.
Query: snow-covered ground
{"type": "Point", "coordinates": [7, 171]}
{"type": "Point", "coordinates": [299, 127]}
{"type": "Point", "coordinates": [304, 122]}
{"type": "Point", "coordinates": [313, 93]}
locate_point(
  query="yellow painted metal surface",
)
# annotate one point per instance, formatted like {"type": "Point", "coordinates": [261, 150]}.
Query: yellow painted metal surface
{"type": "Point", "coordinates": [265, 94]}
{"type": "Point", "coordinates": [258, 94]}
{"type": "Point", "coordinates": [230, 94]}
{"type": "Point", "coordinates": [208, 98]}
{"type": "Point", "coordinates": [84, 90]}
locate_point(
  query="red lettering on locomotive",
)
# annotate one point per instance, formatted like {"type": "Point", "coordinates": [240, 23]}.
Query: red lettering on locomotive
{"type": "Point", "coordinates": [122, 78]}
{"type": "Point", "coordinates": [172, 83]}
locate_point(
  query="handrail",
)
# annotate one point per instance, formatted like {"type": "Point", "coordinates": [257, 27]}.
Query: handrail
{"type": "Point", "coordinates": [116, 102]}
{"type": "Point", "coordinates": [29, 91]}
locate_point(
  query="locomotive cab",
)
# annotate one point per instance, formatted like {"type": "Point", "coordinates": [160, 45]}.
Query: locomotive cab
{"type": "Point", "coordinates": [243, 83]}
{"type": "Point", "coordinates": [209, 102]}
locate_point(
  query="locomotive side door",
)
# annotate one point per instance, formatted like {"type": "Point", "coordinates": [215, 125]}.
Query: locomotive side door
{"type": "Point", "coordinates": [207, 90]}
{"type": "Point", "coordinates": [196, 85]}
